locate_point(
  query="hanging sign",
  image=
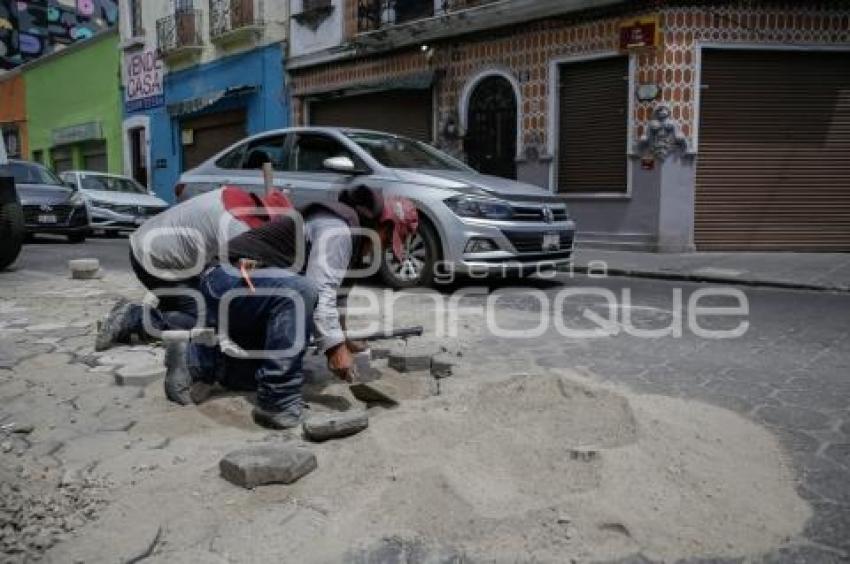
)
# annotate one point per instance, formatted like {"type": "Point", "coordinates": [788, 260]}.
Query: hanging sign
{"type": "Point", "coordinates": [142, 81]}
{"type": "Point", "coordinates": [639, 34]}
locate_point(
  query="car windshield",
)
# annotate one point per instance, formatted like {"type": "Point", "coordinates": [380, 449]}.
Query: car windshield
{"type": "Point", "coordinates": [400, 152]}
{"type": "Point", "coordinates": [110, 184]}
{"type": "Point", "coordinates": [30, 173]}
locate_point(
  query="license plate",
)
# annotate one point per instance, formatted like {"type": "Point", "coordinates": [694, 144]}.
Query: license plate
{"type": "Point", "coordinates": [140, 221]}
{"type": "Point", "coordinates": [47, 219]}
{"type": "Point", "coordinates": [551, 241]}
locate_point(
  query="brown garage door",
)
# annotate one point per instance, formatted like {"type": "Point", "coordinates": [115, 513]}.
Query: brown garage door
{"type": "Point", "coordinates": [773, 169]}
{"type": "Point", "coordinates": [210, 134]}
{"type": "Point", "coordinates": [403, 112]}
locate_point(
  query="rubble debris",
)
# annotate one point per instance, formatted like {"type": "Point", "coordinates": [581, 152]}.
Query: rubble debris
{"type": "Point", "coordinates": [335, 425]}
{"type": "Point", "coordinates": [261, 465]}
{"type": "Point", "coordinates": [35, 517]}
{"type": "Point", "coordinates": [84, 269]}
{"type": "Point", "coordinates": [139, 375]}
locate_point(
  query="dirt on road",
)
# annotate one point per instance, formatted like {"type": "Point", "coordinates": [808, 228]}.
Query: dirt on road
{"type": "Point", "coordinates": [504, 465]}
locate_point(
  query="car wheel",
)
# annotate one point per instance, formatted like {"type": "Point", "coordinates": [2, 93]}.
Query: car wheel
{"type": "Point", "coordinates": [421, 252]}
{"type": "Point", "coordinates": [77, 238]}
{"type": "Point", "coordinates": [11, 232]}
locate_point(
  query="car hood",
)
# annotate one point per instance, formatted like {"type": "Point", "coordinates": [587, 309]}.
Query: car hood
{"type": "Point", "coordinates": [34, 194]}
{"type": "Point", "coordinates": [124, 198]}
{"type": "Point", "coordinates": [472, 183]}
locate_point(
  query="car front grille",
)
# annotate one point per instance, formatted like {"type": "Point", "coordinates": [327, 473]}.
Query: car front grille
{"type": "Point", "coordinates": [532, 242]}
{"type": "Point", "coordinates": [62, 213]}
{"type": "Point", "coordinates": [537, 213]}
{"type": "Point", "coordinates": [132, 210]}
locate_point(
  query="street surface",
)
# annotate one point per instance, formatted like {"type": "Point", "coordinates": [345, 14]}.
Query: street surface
{"type": "Point", "coordinates": [788, 374]}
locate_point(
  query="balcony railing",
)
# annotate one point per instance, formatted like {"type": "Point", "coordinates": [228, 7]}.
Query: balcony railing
{"type": "Point", "coordinates": [179, 33]}
{"type": "Point", "coordinates": [378, 14]}
{"type": "Point", "coordinates": [230, 17]}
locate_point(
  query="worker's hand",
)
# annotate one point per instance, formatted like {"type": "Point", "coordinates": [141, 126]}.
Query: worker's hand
{"type": "Point", "coordinates": [341, 362]}
{"type": "Point", "coordinates": [357, 346]}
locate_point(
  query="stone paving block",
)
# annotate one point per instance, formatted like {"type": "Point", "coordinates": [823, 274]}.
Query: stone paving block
{"type": "Point", "coordinates": [379, 391]}
{"type": "Point", "coordinates": [84, 269]}
{"type": "Point", "coordinates": [139, 375]}
{"type": "Point", "coordinates": [261, 465]}
{"type": "Point", "coordinates": [380, 353]}
{"type": "Point", "coordinates": [412, 357]}
{"type": "Point", "coordinates": [335, 425]}
{"type": "Point", "coordinates": [442, 365]}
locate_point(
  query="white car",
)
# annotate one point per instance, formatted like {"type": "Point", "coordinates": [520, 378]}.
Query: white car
{"type": "Point", "coordinates": [116, 203]}
{"type": "Point", "coordinates": [469, 222]}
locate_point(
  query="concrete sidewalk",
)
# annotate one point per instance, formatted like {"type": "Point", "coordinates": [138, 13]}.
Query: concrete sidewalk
{"type": "Point", "coordinates": [811, 271]}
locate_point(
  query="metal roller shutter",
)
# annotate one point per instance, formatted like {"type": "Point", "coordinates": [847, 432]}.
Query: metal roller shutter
{"type": "Point", "coordinates": [594, 100]}
{"type": "Point", "coordinates": [211, 134]}
{"type": "Point", "coordinates": [403, 112]}
{"type": "Point", "coordinates": [773, 170]}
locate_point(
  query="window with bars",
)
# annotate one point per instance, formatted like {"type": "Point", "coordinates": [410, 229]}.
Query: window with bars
{"type": "Point", "coordinates": [593, 98]}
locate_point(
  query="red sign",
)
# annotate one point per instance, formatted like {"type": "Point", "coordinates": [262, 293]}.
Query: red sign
{"type": "Point", "coordinates": [638, 34]}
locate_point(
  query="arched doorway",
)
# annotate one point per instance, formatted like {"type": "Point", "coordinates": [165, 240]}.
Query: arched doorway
{"type": "Point", "coordinates": [491, 127]}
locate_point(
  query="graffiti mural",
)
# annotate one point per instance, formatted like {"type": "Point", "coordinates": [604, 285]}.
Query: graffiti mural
{"type": "Point", "coordinates": [30, 29]}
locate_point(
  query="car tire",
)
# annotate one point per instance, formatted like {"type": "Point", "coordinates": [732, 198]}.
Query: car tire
{"type": "Point", "coordinates": [422, 252]}
{"type": "Point", "coordinates": [77, 238]}
{"type": "Point", "coordinates": [11, 233]}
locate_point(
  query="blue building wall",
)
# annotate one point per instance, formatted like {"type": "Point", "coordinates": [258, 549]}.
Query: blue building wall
{"type": "Point", "coordinates": [266, 108]}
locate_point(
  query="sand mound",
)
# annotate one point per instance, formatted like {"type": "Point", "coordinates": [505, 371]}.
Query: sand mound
{"type": "Point", "coordinates": [545, 467]}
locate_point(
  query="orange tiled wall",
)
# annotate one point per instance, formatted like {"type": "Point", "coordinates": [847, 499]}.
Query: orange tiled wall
{"type": "Point", "coordinates": [527, 50]}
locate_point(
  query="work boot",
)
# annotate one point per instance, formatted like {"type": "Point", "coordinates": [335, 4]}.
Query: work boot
{"type": "Point", "coordinates": [178, 379]}
{"type": "Point", "coordinates": [288, 418]}
{"type": "Point", "coordinates": [113, 329]}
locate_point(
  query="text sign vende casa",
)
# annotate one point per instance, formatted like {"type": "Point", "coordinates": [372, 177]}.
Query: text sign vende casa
{"type": "Point", "coordinates": [639, 34]}
{"type": "Point", "coordinates": [142, 81]}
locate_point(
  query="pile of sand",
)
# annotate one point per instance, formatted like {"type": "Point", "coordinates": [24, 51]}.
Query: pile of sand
{"type": "Point", "coordinates": [544, 468]}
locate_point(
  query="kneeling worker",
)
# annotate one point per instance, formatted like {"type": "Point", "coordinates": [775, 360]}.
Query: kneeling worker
{"type": "Point", "coordinates": [264, 258]}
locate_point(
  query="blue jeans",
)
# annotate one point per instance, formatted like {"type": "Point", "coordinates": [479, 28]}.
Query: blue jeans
{"type": "Point", "coordinates": [173, 312]}
{"type": "Point", "coordinates": [272, 318]}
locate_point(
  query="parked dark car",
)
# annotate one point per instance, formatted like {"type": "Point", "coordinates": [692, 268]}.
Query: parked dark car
{"type": "Point", "coordinates": [49, 205]}
{"type": "Point", "coordinates": [11, 216]}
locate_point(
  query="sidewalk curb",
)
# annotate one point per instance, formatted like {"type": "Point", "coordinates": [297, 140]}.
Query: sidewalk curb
{"type": "Point", "coordinates": [684, 277]}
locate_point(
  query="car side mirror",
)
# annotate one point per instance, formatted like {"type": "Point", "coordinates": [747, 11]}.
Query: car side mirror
{"type": "Point", "coordinates": [343, 165]}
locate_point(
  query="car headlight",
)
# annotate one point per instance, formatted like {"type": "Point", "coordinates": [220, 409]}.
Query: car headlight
{"type": "Point", "coordinates": [77, 200]}
{"type": "Point", "coordinates": [466, 206]}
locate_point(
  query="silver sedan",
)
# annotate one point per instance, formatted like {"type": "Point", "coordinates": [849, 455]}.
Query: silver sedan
{"type": "Point", "coordinates": [471, 224]}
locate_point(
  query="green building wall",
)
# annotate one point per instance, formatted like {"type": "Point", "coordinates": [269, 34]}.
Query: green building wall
{"type": "Point", "coordinates": [70, 90]}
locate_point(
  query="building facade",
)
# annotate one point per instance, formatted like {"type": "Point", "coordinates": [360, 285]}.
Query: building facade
{"type": "Point", "coordinates": [30, 29]}
{"type": "Point", "coordinates": [197, 76]}
{"type": "Point", "coordinates": [665, 125]}
{"type": "Point", "coordinates": [13, 114]}
{"type": "Point", "coordinates": [73, 106]}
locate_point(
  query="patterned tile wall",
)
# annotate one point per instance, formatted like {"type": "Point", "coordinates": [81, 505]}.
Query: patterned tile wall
{"type": "Point", "coordinates": [526, 51]}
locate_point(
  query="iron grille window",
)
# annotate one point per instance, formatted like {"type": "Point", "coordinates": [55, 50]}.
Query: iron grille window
{"type": "Point", "coordinates": [593, 107]}
{"type": "Point", "coordinates": [136, 29]}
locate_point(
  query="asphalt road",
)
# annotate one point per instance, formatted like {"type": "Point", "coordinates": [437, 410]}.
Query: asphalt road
{"type": "Point", "coordinates": [788, 372]}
